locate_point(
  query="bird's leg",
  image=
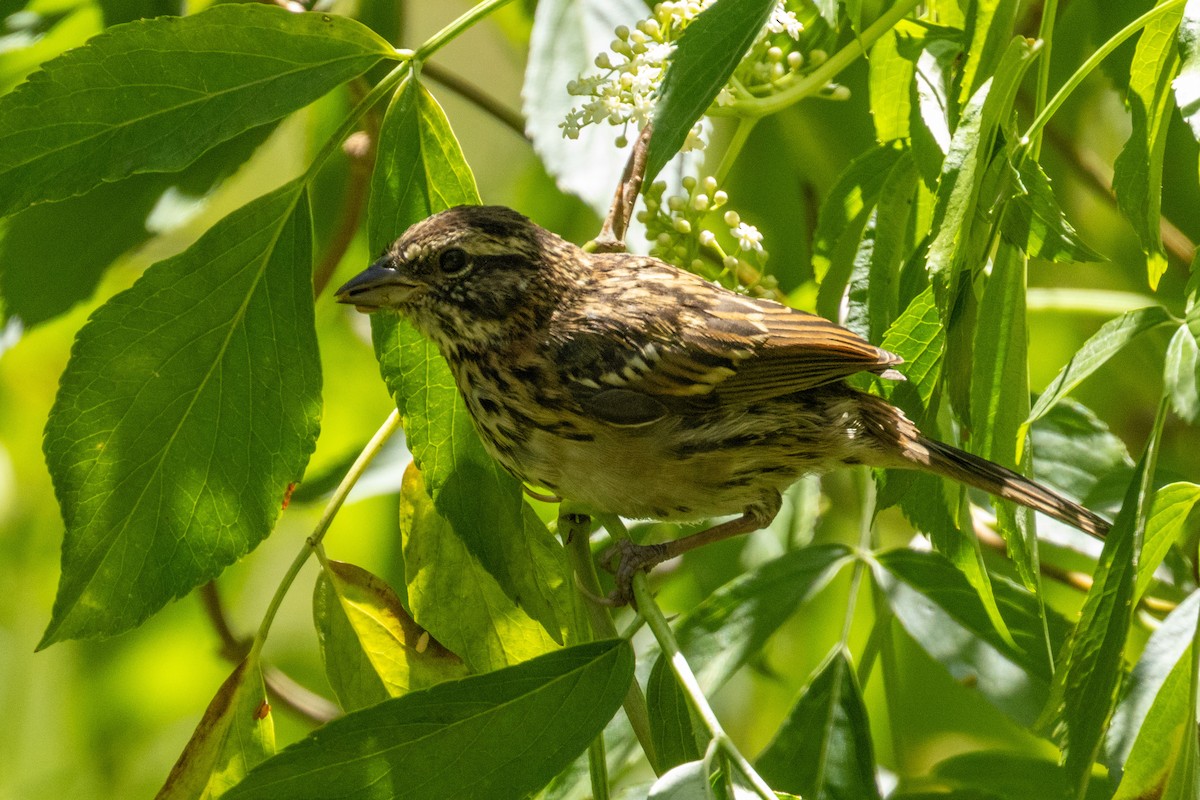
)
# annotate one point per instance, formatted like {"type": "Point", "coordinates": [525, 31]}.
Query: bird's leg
{"type": "Point", "coordinates": [625, 558]}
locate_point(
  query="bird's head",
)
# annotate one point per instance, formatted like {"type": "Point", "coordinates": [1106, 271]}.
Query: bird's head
{"type": "Point", "coordinates": [479, 273]}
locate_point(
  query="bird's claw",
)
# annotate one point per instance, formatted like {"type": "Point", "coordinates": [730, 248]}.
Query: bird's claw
{"type": "Point", "coordinates": [624, 560]}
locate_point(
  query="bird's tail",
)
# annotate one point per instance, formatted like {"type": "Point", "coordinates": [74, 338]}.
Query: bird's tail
{"type": "Point", "coordinates": [900, 437]}
{"type": "Point", "coordinates": [959, 465]}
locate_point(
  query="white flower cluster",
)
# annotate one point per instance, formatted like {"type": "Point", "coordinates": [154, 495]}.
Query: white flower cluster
{"type": "Point", "coordinates": [624, 91]}
{"type": "Point", "coordinates": [676, 226]}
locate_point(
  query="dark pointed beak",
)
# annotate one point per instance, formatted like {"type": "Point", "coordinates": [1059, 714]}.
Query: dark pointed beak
{"type": "Point", "coordinates": [378, 286]}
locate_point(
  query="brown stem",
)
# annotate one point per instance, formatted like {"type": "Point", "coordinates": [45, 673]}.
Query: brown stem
{"type": "Point", "coordinates": [1098, 176]}
{"type": "Point", "coordinates": [360, 149]}
{"type": "Point", "coordinates": [473, 94]}
{"type": "Point", "coordinates": [283, 690]}
{"type": "Point", "coordinates": [612, 235]}
{"type": "Point", "coordinates": [1080, 581]}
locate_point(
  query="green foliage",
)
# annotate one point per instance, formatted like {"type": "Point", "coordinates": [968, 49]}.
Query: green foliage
{"type": "Point", "coordinates": [505, 733]}
{"type": "Point", "coordinates": [938, 181]}
{"type": "Point", "coordinates": [190, 403]}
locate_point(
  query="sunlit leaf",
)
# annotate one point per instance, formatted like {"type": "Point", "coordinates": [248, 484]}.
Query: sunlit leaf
{"type": "Point", "coordinates": [1137, 171]}
{"type": "Point", "coordinates": [190, 403]}
{"type": "Point", "coordinates": [1168, 512]}
{"type": "Point", "coordinates": [365, 633]}
{"type": "Point", "coordinates": [460, 602]}
{"type": "Point", "coordinates": [235, 734]}
{"type": "Point", "coordinates": [960, 238]}
{"type": "Point", "coordinates": [989, 30]}
{"type": "Point", "coordinates": [1103, 345]}
{"type": "Point", "coordinates": [420, 171]}
{"type": "Point", "coordinates": [1163, 761]}
{"type": "Point", "coordinates": [1182, 373]}
{"type": "Point", "coordinates": [1151, 711]}
{"type": "Point", "coordinates": [152, 95]}
{"type": "Point", "coordinates": [684, 782]}
{"type": "Point", "coordinates": [1187, 83]}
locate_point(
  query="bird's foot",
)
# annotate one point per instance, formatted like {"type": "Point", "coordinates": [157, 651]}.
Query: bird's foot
{"type": "Point", "coordinates": [624, 560]}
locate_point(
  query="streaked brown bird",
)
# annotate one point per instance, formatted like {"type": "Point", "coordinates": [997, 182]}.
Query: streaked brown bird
{"type": "Point", "coordinates": [634, 388]}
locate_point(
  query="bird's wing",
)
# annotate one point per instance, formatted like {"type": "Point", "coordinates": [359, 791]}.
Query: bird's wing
{"type": "Point", "coordinates": [795, 350]}
{"type": "Point", "coordinates": [634, 365]}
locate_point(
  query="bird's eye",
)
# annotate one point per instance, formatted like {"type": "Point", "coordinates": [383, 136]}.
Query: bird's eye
{"type": "Point", "coordinates": [452, 261]}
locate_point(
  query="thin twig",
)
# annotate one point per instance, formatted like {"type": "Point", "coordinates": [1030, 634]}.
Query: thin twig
{"type": "Point", "coordinates": [1097, 175]}
{"type": "Point", "coordinates": [1080, 581]}
{"type": "Point", "coordinates": [612, 235]}
{"type": "Point", "coordinates": [360, 149]}
{"type": "Point", "coordinates": [283, 689]}
{"type": "Point", "coordinates": [478, 97]}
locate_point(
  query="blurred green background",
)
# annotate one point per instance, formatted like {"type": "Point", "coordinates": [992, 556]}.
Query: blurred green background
{"type": "Point", "coordinates": [108, 718]}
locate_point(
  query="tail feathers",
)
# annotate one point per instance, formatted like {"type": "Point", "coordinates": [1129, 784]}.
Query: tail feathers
{"type": "Point", "coordinates": [950, 462]}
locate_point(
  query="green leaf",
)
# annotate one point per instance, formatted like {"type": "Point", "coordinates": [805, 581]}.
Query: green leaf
{"type": "Point", "coordinates": [75, 240]}
{"type": "Point", "coordinates": [420, 171]}
{"type": "Point", "coordinates": [1008, 775]}
{"type": "Point", "coordinates": [944, 614]}
{"type": "Point", "coordinates": [566, 36]}
{"type": "Point", "coordinates": [844, 213]}
{"type": "Point", "coordinates": [349, 671]}
{"type": "Point", "coordinates": [1074, 451]}
{"type": "Point", "coordinates": [1144, 737]}
{"type": "Point", "coordinates": [974, 182]}
{"type": "Point", "coordinates": [1163, 761]}
{"type": "Point", "coordinates": [459, 601]}
{"type": "Point", "coordinates": [874, 294]}
{"type": "Point", "coordinates": [1034, 222]}
{"type": "Point", "coordinates": [1091, 664]}
{"type": "Point", "coordinates": [119, 11]}
{"type": "Point", "coordinates": [671, 726]}
{"type": "Point", "coordinates": [918, 337]}
{"type": "Point", "coordinates": [1000, 393]}
{"type": "Point", "coordinates": [1187, 83]}
{"type": "Point", "coordinates": [731, 625]}
{"type": "Point", "coordinates": [366, 633]}
{"type": "Point", "coordinates": [1169, 511]}
{"type": "Point", "coordinates": [505, 734]}
{"type": "Point", "coordinates": [1182, 373]}
{"type": "Point", "coordinates": [891, 83]}
{"type": "Point", "coordinates": [1137, 171]}
{"type": "Point", "coordinates": [989, 30]}
{"type": "Point", "coordinates": [823, 749]}
{"type": "Point", "coordinates": [1103, 345]}
{"type": "Point", "coordinates": [191, 401]}
{"type": "Point", "coordinates": [961, 225]}
{"type": "Point", "coordinates": [708, 51]}
{"type": "Point", "coordinates": [153, 95]}
{"type": "Point", "coordinates": [938, 54]}
{"type": "Point", "coordinates": [235, 734]}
